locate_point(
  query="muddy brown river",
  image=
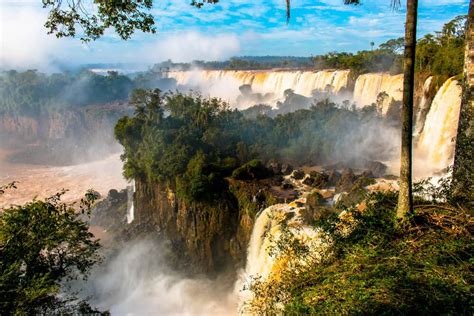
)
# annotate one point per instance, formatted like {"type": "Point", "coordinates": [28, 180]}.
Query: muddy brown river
{"type": "Point", "coordinates": [42, 181]}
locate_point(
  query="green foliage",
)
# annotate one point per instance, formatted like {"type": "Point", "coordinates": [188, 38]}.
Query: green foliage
{"type": "Point", "coordinates": [378, 268]}
{"type": "Point", "coordinates": [252, 170]}
{"type": "Point", "coordinates": [442, 54]}
{"type": "Point", "coordinates": [43, 244]}
{"type": "Point", "coordinates": [123, 16]}
{"type": "Point", "coordinates": [159, 147]}
{"type": "Point", "coordinates": [200, 182]}
{"type": "Point", "coordinates": [385, 59]}
{"type": "Point", "coordinates": [33, 93]}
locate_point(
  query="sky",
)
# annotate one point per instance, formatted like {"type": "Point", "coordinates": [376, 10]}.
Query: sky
{"type": "Point", "coordinates": [218, 32]}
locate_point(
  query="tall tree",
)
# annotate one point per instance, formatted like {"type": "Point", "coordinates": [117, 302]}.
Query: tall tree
{"type": "Point", "coordinates": [463, 175]}
{"type": "Point", "coordinates": [405, 196]}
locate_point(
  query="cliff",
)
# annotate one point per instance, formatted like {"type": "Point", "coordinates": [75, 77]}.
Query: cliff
{"type": "Point", "coordinates": [208, 237]}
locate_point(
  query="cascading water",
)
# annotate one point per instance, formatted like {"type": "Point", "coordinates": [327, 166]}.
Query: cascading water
{"type": "Point", "coordinates": [225, 83]}
{"type": "Point", "coordinates": [435, 144]}
{"type": "Point", "coordinates": [265, 260]}
{"type": "Point", "coordinates": [368, 86]}
{"type": "Point", "coordinates": [130, 202]}
{"type": "Point", "coordinates": [423, 108]}
{"type": "Point", "coordinates": [435, 121]}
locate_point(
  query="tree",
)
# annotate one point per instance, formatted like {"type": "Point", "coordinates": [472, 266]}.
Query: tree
{"type": "Point", "coordinates": [463, 175]}
{"type": "Point", "coordinates": [405, 196]}
{"type": "Point", "coordinates": [42, 244]}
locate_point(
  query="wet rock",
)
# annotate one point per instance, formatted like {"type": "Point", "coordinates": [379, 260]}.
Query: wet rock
{"type": "Point", "coordinates": [287, 186]}
{"type": "Point", "coordinates": [364, 180]}
{"type": "Point", "coordinates": [297, 174]}
{"type": "Point", "coordinates": [274, 166]}
{"type": "Point", "coordinates": [286, 169]}
{"type": "Point", "coordinates": [377, 168]}
{"type": "Point", "coordinates": [326, 194]}
{"type": "Point", "coordinates": [346, 181]}
{"type": "Point", "coordinates": [356, 195]}
{"type": "Point", "coordinates": [320, 180]}
{"type": "Point", "coordinates": [367, 174]}
{"type": "Point", "coordinates": [308, 180]}
{"type": "Point", "coordinates": [316, 208]}
{"type": "Point", "coordinates": [333, 177]}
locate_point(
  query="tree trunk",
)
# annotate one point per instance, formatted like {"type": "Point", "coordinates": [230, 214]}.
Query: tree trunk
{"type": "Point", "coordinates": [405, 198]}
{"type": "Point", "coordinates": [463, 175]}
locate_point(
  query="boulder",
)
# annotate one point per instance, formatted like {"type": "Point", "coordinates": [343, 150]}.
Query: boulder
{"type": "Point", "coordinates": [377, 168]}
{"type": "Point", "coordinates": [287, 186]}
{"type": "Point", "coordinates": [297, 174]}
{"type": "Point", "coordinates": [308, 180]}
{"type": "Point", "coordinates": [274, 166]}
{"type": "Point", "coordinates": [320, 180]}
{"type": "Point", "coordinates": [356, 195]}
{"type": "Point", "coordinates": [346, 181]}
{"type": "Point", "coordinates": [333, 177]}
{"type": "Point", "coordinates": [286, 169]}
{"type": "Point", "coordinates": [316, 208]}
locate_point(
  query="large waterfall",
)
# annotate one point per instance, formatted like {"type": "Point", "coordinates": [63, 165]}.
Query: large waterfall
{"type": "Point", "coordinates": [225, 83]}
{"type": "Point", "coordinates": [369, 86]}
{"type": "Point", "coordinates": [436, 145]}
{"type": "Point", "coordinates": [435, 121]}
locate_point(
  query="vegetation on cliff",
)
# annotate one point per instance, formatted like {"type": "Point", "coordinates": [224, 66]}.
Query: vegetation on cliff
{"type": "Point", "coordinates": [375, 267]}
{"type": "Point", "coordinates": [196, 142]}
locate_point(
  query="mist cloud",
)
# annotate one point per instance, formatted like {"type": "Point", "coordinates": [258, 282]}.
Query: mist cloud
{"type": "Point", "coordinates": [25, 43]}
{"type": "Point", "coordinates": [189, 46]}
{"type": "Point", "coordinates": [137, 281]}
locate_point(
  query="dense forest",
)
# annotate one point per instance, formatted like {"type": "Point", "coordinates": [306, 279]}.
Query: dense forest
{"type": "Point", "coordinates": [196, 142]}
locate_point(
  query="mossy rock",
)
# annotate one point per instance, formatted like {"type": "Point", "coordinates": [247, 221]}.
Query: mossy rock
{"type": "Point", "coordinates": [252, 170]}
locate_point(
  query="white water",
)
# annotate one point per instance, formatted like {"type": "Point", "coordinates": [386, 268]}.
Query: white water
{"type": "Point", "coordinates": [130, 202]}
{"type": "Point", "coordinates": [423, 108]}
{"type": "Point", "coordinates": [265, 261]}
{"type": "Point", "coordinates": [368, 86]}
{"type": "Point", "coordinates": [435, 145]}
{"type": "Point", "coordinates": [225, 83]}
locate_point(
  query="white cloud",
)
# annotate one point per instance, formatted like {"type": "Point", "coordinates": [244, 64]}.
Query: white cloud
{"type": "Point", "coordinates": [191, 45]}
{"type": "Point", "coordinates": [24, 42]}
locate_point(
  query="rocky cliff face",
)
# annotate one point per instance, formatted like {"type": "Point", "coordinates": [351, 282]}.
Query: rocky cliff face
{"type": "Point", "coordinates": [208, 237]}
{"type": "Point", "coordinates": [61, 124]}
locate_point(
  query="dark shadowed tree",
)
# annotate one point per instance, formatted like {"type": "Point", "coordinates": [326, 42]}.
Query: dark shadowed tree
{"type": "Point", "coordinates": [405, 196]}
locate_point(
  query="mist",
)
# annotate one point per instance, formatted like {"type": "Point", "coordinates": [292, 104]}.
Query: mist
{"type": "Point", "coordinates": [136, 280]}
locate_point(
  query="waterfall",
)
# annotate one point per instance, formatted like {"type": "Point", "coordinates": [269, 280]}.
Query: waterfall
{"type": "Point", "coordinates": [368, 86]}
{"type": "Point", "coordinates": [130, 202]}
{"type": "Point", "coordinates": [265, 260]}
{"type": "Point", "coordinates": [435, 144]}
{"type": "Point", "coordinates": [424, 107]}
{"type": "Point", "coordinates": [225, 83]}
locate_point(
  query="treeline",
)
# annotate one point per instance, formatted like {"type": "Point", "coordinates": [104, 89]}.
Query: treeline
{"type": "Point", "coordinates": [199, 141]}
{"type": "Point", "coordinates": [240, 63]}
{"type": "Point", "coordinates": [32, 93]}
{"type": "Point", "coordinates": [439, 54]}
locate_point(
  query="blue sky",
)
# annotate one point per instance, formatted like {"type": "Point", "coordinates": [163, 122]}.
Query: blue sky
{"type": "Point", "coordinates": [230, 28]}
